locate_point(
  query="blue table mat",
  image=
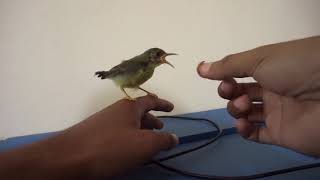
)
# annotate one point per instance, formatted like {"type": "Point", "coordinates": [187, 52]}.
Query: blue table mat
{"type": "Point", "coordinates": [231, 155]}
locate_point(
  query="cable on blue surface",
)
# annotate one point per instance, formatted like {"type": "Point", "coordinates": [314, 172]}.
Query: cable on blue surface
{"type": "Point", "coordinates": [213, 136]}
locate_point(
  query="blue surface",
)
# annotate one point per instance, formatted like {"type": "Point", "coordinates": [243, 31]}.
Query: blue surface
{"type": "Point", "coordinates": [231, 155]}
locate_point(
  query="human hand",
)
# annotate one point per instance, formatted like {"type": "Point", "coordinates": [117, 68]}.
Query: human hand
{"type": "Point", "coordinates": [285, 98]}
{"type": "Point", "coordinates": [112, 141]}
{"type": "Point", "coordinates": [120, 137]}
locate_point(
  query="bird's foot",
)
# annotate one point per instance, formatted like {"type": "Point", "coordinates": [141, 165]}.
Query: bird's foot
{"type": "Point", "coordinates": [153, 95]}
{"type": "Point", "coordinates": [130, 98]}
{"type": "Point", "coordinates": [149, 93]}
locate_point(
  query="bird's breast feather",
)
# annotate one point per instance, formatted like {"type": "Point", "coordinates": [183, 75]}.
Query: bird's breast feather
{"type": "Point", "coordinates": [133, 80]}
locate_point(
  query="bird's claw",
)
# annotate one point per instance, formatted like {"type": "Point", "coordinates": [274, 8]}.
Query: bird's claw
{"type": "Point", "coordinates": [153, 95]}
{"type": "Point", "coordinates": [130, 98]}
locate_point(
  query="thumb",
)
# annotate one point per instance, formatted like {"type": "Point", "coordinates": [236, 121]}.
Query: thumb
{"type": "Point", "coordinates": [236, 65]}
{"type": "Point", "coordinates": [158, 141]}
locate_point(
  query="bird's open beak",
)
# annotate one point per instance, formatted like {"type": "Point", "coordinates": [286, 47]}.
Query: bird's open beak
{"type": "Point", "coordinates": [163, 59]}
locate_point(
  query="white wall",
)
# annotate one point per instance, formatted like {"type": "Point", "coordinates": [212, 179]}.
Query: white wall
{"type": "Point", "coordinates": [49, 50]}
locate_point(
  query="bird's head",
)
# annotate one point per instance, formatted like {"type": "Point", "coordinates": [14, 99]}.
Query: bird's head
{"type": "Point", "coordinates": [158, 56]}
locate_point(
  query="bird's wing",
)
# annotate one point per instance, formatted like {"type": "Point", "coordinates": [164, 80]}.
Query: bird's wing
{"type": "Point", "coordinates": [127, 66]}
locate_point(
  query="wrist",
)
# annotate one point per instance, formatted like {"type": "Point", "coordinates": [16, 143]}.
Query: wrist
{"type": "Point", "coordinates": [53, 158]}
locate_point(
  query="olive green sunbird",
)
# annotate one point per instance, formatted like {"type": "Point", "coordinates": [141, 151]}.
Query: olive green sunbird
{"type": "Point", "coordinates": [137, 70]}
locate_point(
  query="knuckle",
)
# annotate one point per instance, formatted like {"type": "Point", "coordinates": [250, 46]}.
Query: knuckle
{"type": "Point", "coordinates": [227, 58]}
{"type": "Point", "coordinates": [263, 50]}
{"type": "Point", "coordinates": [233, 111]}
{"type": "Point", "coordinates": [150, 140]}
{"type": "Point", "coordinates": [130, 106]}
{"type": "Point", "coordinates": [167, 140]}
{"type": "Point", "coordinates": [145, 138]}
{"type": "Point", "coordinates": [142, 104]}
{"type": "Point", "coordinates": [147, 101]}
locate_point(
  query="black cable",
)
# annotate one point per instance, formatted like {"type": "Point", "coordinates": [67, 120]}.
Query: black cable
{"type": "Point", "coordinates": [206, 176]}
{"type": "Point", "coordinates": [197, 147]}
{"type": "Point", "coordinates": [248, 177]}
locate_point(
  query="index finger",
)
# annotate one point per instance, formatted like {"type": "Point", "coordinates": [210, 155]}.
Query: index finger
{"type": "Point", "coordinates": [237, 65]}
{"type": "Point", "coordinates": [148, 103]}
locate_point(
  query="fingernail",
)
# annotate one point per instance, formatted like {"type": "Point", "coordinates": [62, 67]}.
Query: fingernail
{"type": "Point", "coordinates": [225, 87]}
{"type": "Point", "coordinates": [159, 125]}
{"type": "Point", "coordinates": [241, 103]}
{"type": "Point", "coordinates": [175, 138]}
{"type": "Point", "coordinates": [204, 67]}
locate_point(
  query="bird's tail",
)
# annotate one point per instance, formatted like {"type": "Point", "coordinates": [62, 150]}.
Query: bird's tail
{"type": "Point", "coordinates": [102, 74]}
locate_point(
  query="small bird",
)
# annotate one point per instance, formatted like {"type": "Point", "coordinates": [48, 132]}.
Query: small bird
{"type": "Point", "coordinates": [134, 72]}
